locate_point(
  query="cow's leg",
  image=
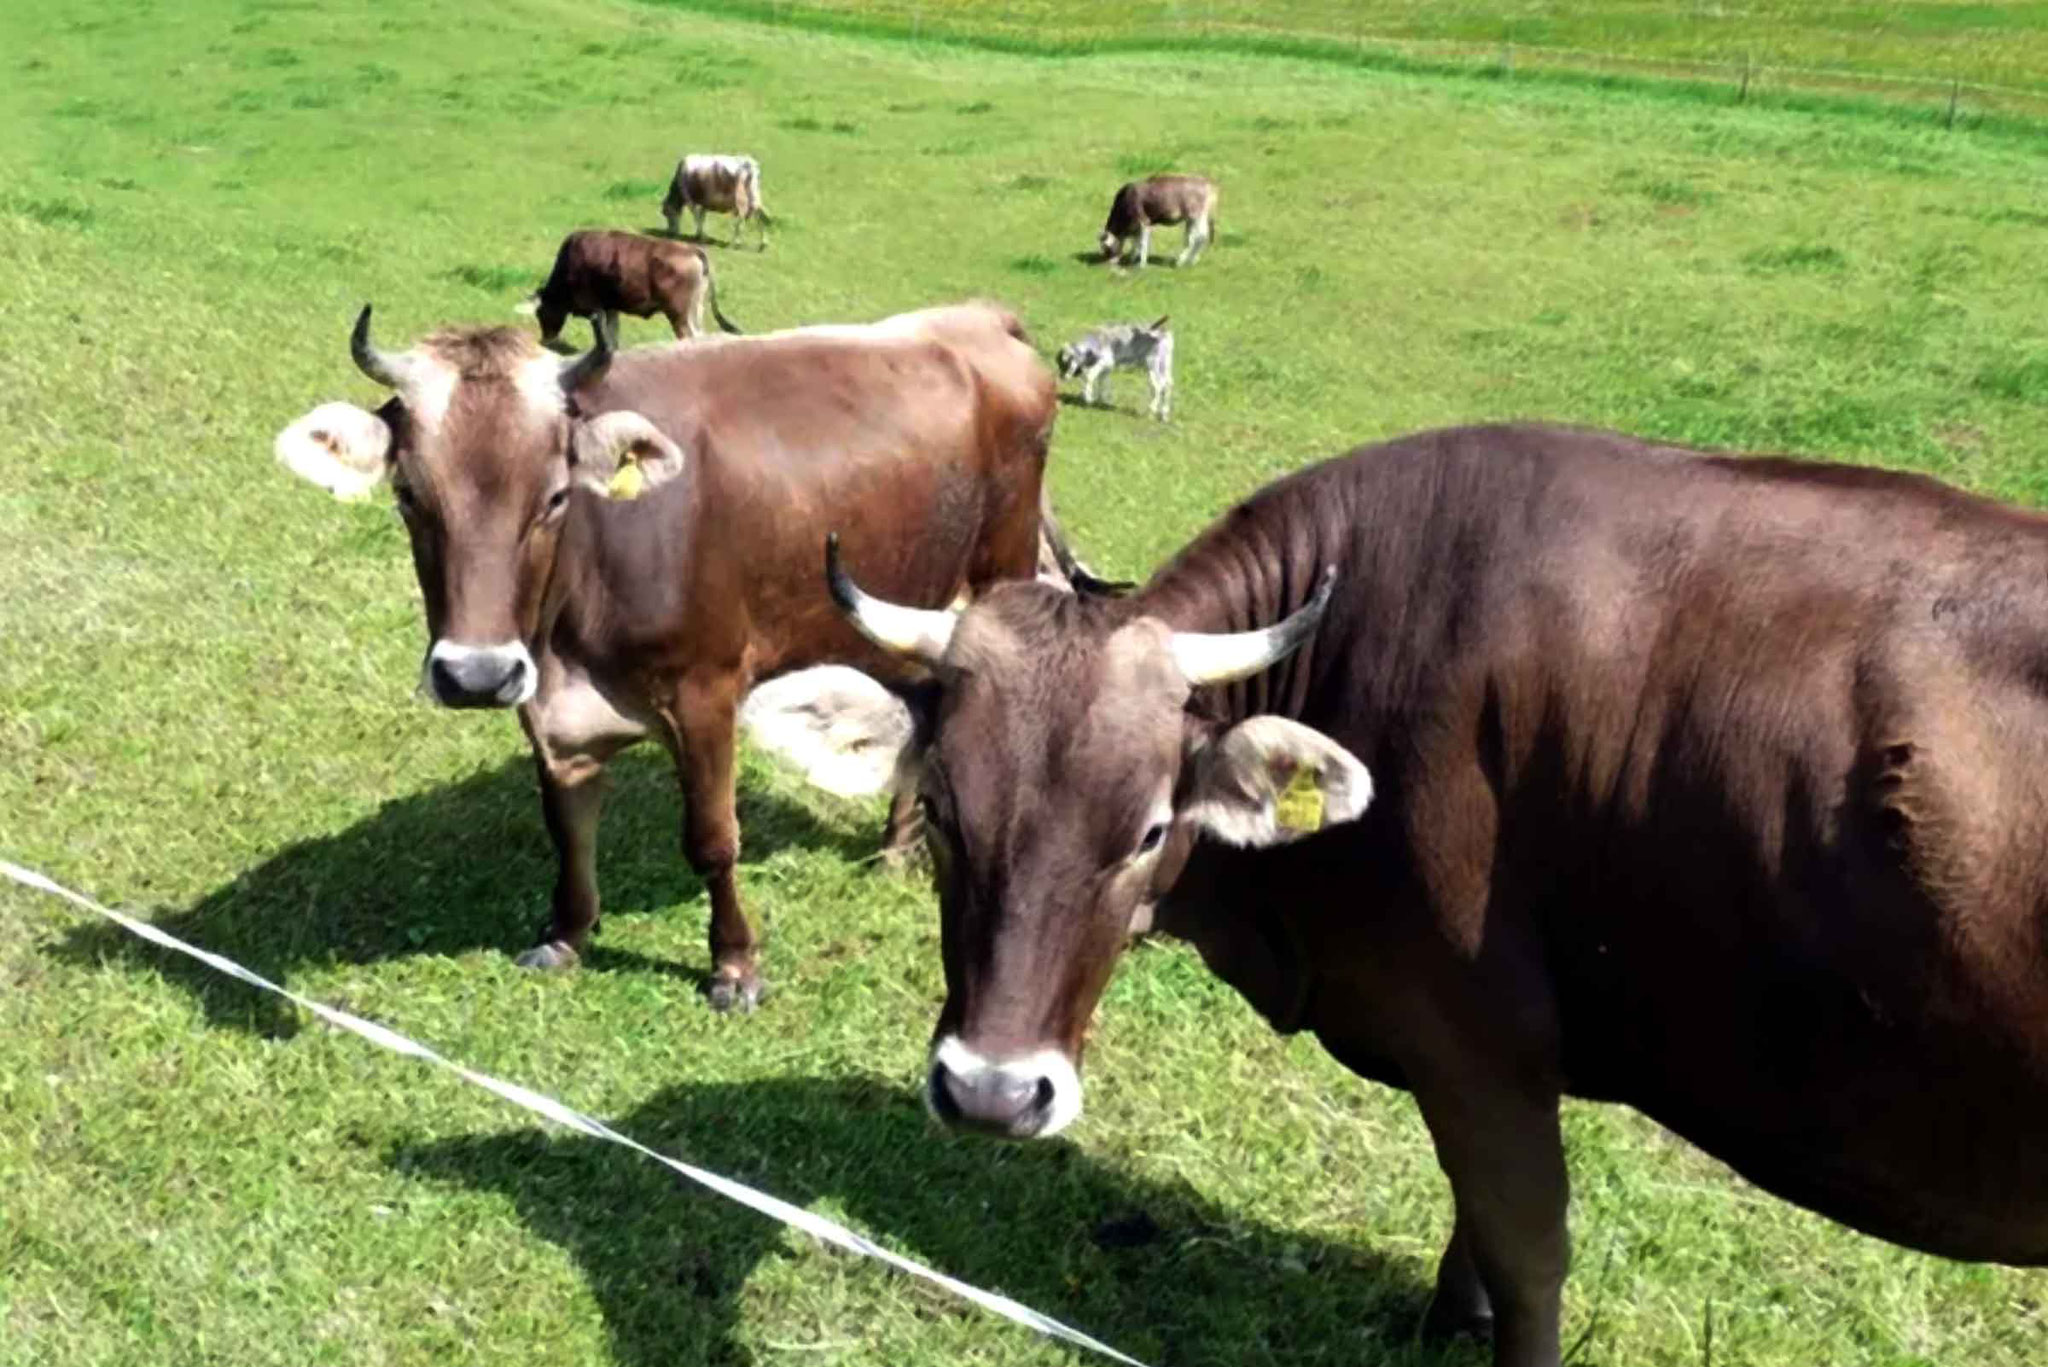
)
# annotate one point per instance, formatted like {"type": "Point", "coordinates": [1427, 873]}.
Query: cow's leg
{"type": "Point", "coordinates": [1198, 238]}
{"type": "Point", "coordinates": [739, 221]}
{"type": "Point", "coordinates": [1499, 1145]}
{"type": "Point", "coordinates": [705, 715]}
{"type": "Point", "coordinates": [571, 800]}
{"type": "Point", "coordinates": [697, 212]}
{"type": "Point", "coordinates": [1460, 1305]}
{"type": "Point", "coordinates": [1144, 244]}
{"type": "Point", "coordinates": [904, 831]}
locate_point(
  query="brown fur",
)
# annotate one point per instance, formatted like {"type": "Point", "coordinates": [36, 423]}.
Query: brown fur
{"type": "Point", "coordinates": [922, 443]}
{"type": "Point", "coordinates": [1715, 787]}
{"type": "Point", "coordinates": [601, 272]}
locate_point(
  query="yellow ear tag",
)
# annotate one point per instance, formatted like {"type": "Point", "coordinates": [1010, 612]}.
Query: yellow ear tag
{"type": "Point", "coordinates": [1299, 807]}
{"type": "Point", "coordinates": [627, 482]}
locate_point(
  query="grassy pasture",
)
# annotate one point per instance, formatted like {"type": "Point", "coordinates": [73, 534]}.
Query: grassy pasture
{"type": "Point", "coordinates": [205, 675]}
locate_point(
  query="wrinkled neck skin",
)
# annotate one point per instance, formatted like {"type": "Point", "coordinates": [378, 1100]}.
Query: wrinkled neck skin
{"type": "Point", "coordinates": [1260, 563]}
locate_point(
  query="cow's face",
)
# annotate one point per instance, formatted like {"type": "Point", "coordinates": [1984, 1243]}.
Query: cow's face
{"type": "Point", "coordinates": [484, 458]}
{"type": "Point", "coordinates": [1109, 243]}
{"type": "Point", "coordinates": [1064, 782]}
{"type": "Point", "coordinates": [1072, 362]}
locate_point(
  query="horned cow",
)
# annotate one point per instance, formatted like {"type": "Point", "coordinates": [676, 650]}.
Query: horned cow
{"type": "Point", "coordinates": [621, 545]}
{"type": "Point", "coordinates": [1571, 764]}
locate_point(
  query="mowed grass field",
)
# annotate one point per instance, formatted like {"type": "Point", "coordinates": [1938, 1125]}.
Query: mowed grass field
{"type": "Point", "coordinates": [206, 674]}
{"type": "Point", "coordinates": [1998, 50]}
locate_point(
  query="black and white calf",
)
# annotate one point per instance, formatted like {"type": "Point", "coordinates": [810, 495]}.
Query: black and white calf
{"type": "Point", "coordinates": [1123, 346]}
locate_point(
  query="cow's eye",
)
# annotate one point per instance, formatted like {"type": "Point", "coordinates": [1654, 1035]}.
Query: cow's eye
{"type": "Point", "coordinates": [557, 501]}
{"type": "Point", "coordinates": [1154, 837]}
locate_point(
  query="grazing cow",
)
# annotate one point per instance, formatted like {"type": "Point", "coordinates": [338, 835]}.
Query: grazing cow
{"type": "Point", "coordinates": [721, 184]}
{"type": "Point", "coordinates": [1161, 199]}
{"type": "Point", "coordinates": [600, 273]}
{"type": "Point", "coordinates": [553, 584]}
{"type": "Point", "coordinates": [1714, 786]}
{"type": "Point", "coordinates": [1123, 346]}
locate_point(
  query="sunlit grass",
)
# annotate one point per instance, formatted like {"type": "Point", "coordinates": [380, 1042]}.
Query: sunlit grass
{"type": "Point", "coordinates": [206, 667]}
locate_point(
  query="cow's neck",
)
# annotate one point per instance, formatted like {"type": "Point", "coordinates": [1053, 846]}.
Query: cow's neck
{"type": "Point", "coordinates": [604, 567]}
{"type": "Point", "coordinates": [1249, 571]}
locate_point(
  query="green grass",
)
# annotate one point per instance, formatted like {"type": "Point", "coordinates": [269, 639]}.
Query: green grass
{"type": "Point", "coordinates": [206, 673]}
{"type": "Point", "coordinates": [1989, 55]}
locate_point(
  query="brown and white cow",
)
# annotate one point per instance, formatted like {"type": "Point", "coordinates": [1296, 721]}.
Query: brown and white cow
{"type": "Point", "coordinates": [1140, 204]}
{"type": "Point", "coordinates": [600, 273]}
{"type": "Point", "coordinates": [1714, 786]}
{"type": "Point", "coordinates": [606, 617]}
{"type": "Point", "coordinates": [721, 184]}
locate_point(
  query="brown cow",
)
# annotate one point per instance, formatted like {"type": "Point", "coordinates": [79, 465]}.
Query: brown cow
{"type": "Point", "coordinates": [721, 184]}
{"type": "Point", "coordinates": [602, 274]}
{"type": "Point", "coordinates": [606, 618]}
{"type": "Point", "coordinates": [1160, 199]}
{"type": "Point", "coordinates": [1714, 786]}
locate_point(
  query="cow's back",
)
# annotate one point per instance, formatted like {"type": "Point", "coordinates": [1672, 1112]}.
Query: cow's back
{"type": "Point", "coordinates": [1755, 753]}
{"type": "Point", "coordinates": [913, 446]}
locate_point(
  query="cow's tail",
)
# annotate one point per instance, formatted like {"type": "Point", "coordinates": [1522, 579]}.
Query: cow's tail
{"type": "Point", "coordinates": [725, 324]}
{"type": "Point", "coordinates": [1160, 326]}
{"type": "Point", "coordinates": [1052, 544]}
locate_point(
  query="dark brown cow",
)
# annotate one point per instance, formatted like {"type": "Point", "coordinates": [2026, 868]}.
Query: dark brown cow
{"type": "Point", "coordinates": [1140, 204]}
{"type": "Point", "coordinates": [606, 620]}
{"type": "Point", "coordinates": [601, 274]}
{"type": "Point", "coordinates": [1714, 786]}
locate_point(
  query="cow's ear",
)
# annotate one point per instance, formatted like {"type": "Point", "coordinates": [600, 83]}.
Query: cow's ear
{"type": "Point", "coordinates": [1268, 780]}
{"type": "Point", "coordinates": [338, 446]}
{"type": "Point", "coordinates": [622, 455]}
{"type": "Point", "coordinates": [845, 732]}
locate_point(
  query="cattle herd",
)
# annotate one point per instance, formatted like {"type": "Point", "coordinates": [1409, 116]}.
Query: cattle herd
{"type": "Point", "coordinates": [1514, 761]}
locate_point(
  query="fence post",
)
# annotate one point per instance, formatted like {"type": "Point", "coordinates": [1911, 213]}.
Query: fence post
{"type": "Point", "coordinates": [1748, 62]}
{"type": "Point", "coordinates": [1955, 93]}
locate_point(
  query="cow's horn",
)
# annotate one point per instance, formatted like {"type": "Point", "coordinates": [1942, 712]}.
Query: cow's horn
{"type": "Point", "coordinates": [921, 633]}
{"type": "Point", "coordinates": [387, 368]}
{"type": "Point", "coordinates": [591, 363]}
{"type": "Point", "coordinates": [1214, 659]}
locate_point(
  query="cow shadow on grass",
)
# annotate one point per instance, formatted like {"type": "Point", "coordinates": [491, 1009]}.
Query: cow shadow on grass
{"type": "Point", "coordinates": [1153, 1268]}
{"type": "Point", "coordinates": [463, 867]}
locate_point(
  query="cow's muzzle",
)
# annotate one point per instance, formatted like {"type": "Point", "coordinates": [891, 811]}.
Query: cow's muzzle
{"type": "Point", "coordinates": [480, 676]}
{"type": "Point", "coordinates": [1031, 1097]}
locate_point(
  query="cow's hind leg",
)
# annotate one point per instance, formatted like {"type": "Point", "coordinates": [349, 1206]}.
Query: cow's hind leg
{"type": "Point", "coordinates": [1460, 1305]}
{"type": "Point", "coordinates": [1198, 239]}
{"type": "Point", "coordinates": [697, 213]}
{"type": "Point", "coordinates": [704, 718]}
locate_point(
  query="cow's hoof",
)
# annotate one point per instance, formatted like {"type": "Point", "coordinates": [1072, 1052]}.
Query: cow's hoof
{"type": "Point", "coordinates": [1446, 1320]}
{"type": "Point", "coordinates": [549, 954]}
{"type": "Point", "coordinates": [728, 993]}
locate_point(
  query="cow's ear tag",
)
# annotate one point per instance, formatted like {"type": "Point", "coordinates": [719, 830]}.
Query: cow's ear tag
{"type": "Point", "coordinates": [1299, 807]}
{"type": "Point", "coordinates": [627, 481]}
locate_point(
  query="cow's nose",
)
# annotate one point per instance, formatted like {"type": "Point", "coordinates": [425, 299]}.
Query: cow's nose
{"type": "Point", "coordinates": [995, 1101]}
{"type": "Point", "coordinates": [479, 676]}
